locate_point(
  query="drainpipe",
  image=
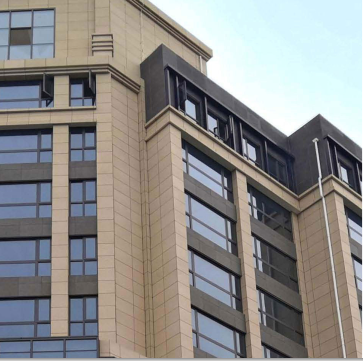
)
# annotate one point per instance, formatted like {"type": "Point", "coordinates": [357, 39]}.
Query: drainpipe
{"type": "Point", "coordinates": [315, 141]}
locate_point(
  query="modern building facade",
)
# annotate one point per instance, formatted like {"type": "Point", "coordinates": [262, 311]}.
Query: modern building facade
{"type": "Point", "coordinates": [145, 212]}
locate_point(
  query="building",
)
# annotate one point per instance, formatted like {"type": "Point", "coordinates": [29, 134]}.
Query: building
{"type": "Point", "coordinates": [145, 212]}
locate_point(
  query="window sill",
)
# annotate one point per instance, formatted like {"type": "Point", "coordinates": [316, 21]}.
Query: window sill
{"type": "Point", "coordinates": [35, 110]}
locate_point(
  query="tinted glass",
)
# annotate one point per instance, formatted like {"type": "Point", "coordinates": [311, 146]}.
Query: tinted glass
{"type": "Point", "coordinates": [214, 349]}
{"type": "Point", "coordinates": [76, 140]}
{"type": "Point", "coordinates": [45, 191]}
{"type": "Point", "coordinates": [43, 51]}
{"type": "Point", "coordinates": [76, 192]}
{"type": "Point", "coordinates": [90, 138]}
{"type": "Point", "coordinates": [90, 191]}
{"type": "Point", "coordinates": [21, 19]}
{"type": "Point", "coordinates": [17, 311]}
{"type": "Point", "coordinates": [4, 20]}
{"type": "Point", "coordinates": [19, 92]}
{"type": "Point", "coordinates": [46, 141]}
{"type": "Point", "coordinates": [91, 308]}
{"type": "Point", "coordinates": [18, 193]}
{"type": "Point", "coordinates": [21, 52]}
{"type": "Point", "coordinates": [43, 35]}
{"type": "Point", "coordinates": [44, 18]}
{"type": "Point", "coordinates": [191, 109]}
{"type": "Point", "coordinates": [76, 249]}
{"type": "Point", "coordinates": [354, 226]}
{"type": "Point", "coordinates": [17, 270]}
{"type": "Point", "coordinates": [90, 247]}
{"type": "Point", "coordinates": [76, 90]}
{"type": "Point", "coordinates": [20, 37]}
{"type": "Point", "coordinates": [77, 309]}
{"type": "Point", "coordinates": [44, 249]}
{"type": "Point", "coordinates": [17, 250]}
{"type": "Point", "coordinates": [212, 124]}
{"type": "Point", "coordinates": [17, 331]}
{"type": "Point", "coordinates": [44, 310]}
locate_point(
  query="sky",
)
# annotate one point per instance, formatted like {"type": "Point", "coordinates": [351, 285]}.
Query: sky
{"type": "Point", "coordinates": [288, 60]}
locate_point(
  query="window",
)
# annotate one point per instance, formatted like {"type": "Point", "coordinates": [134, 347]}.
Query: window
{"type": "Point", "coordinates": [354, 223]}
{"type": "Point", "coordinates": [269, 352]}
{"type": "Point", "coordinates": [346, 174]}
{"type": "Point", "coordinates": [270, 213]}
{"type": "Point", "coordinates": [27, 34]}
{"type": "Point", "coordinates": [52, 348]}
{"type": "Point", "coordinates": [252, 152]}
{"type": "Point", "coordinates": [24, 95]}
{"type": "Point", "coordinates": [211, 225]}
{"type": "Point", "coordinates": [32, 200]}
{"type": "Point", "coordinates": [357, 265]}
{"type": "Point", "coordinates": [83, 316]}
{"type": "Point", "coordinates": [83, 144]}
{"type": "Point", "coordinates": [217, 127]}
{"type": "Point", "coordinates": [83, 93]}
{"type": "Point", "coordinates": [280, 317]}
{"type": "Point", "coordinates": [25, 318]}
{"type": "Point", "coordinates": [214, 281]}
{"type": "Point", "coordinates": [216, 339]}
{"type": "Point", "coordinates": [83, 256]}
{"type": "Point", "coordinates": [274, 263]}
{"type": "Point", "coordinates": [25, 258]}
{"type": "Point", "coordinates": [207, 171]}
{"type": "Point", "coordinates": [26, 147]}
{"type": "Point", "coordinates": [277, 170]}
{"type": "Point", "coordinates": [83, 198]}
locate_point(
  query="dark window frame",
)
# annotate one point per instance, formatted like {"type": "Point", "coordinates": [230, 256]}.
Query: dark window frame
{"type": "Point", "coordinates": [235, 298]}
{"type": "Point", "coordinates": [38, 202]}
{"type": "Point", "coordinates": [36, 321]}
{"type": "Point", "coordinates": [198, 335]}
{"type": "Point", "coordinates": [291, 280]}
{"type": "Point", "coordinates": [350, 229]}
{"type": "Point", "coordinates": [264, 314]}
{"type": "Point", "coordinates": [84, 148]}
{"type": "Point", "coordinates": [37, 259]}
{"type": "Point", "coordinates": [350, 173]}
{"type": "Point", "coordinates": [83, 98]}
{"type": "Point", "coordinates": [357, 277]}
{"type": "Point", "coordinates": [247, 142]}
{"type": "Point", "coordinates": [266, 348]}
{"type": "Point", "coordinates": [281, 178]}
{"type": "Point", "coordinates": [226, 176]}
{"type": "Point", "coordinates": [83, 202]}
{"type": "Point", "coordinates": [84, 320]}
{"type": "Point", "coordinates": [231, 242]}
{"type": "Point", "coordinates": [84, 259]}
{"type": "Point", "coordinates": [39, 148]}
{"type": "Point", "coordinates": [31, 28]}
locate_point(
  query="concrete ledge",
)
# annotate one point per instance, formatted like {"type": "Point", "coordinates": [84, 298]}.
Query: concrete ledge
{"type": "Point", "coordinates": [26, 228]}
{"type": "Point", "coordinates": [282, 344]}
{"type": "Point", "coordinates": [278, 290]}
{"type": "Point", "coordinates": [210, 197]}
{"type": "Point", "coordinates": [83, 285]}
{"type": "Point", "coordinates": [82, 226]}
{"type": "Point", "coordinates": [25, 287]}
{"type": "Point", "coordinates": [82, 170]}
{"type": "Point", "coordinates": [217, 310]}
{"type": "Point", "coordinates": [198, 353]}
{"type": "Point", "coordinates": [25, 172]}
{"type": "Point", "coordinates": [215, 253]}
{"type": "Point", "coordinates": [273, 238]}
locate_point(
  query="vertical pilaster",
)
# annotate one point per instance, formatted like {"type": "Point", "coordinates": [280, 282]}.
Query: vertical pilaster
{"type": "Point", "coordinates": [60, 212]}
{"type": "Point", "coordinates": [61, 91]}
{"type": "Point", "coordinates": [169, 255]}
{"type": "Point", "coordinates": [102, 16]}
{"type": "Point", "coordinates": [245, 253]}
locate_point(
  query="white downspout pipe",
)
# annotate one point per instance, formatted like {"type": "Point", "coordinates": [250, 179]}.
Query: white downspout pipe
{"type": "Point", "coordinates": [315, 141]}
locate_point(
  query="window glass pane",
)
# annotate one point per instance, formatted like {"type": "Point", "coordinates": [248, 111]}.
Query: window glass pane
{"type": "Point", "coordinates": [77, 90]}
{"type": "Point", "coordinates": [45, 211]}
{"type": "Point", "coordinates": [252, 154]}
{"type": "Point", "coordinates": [211, 235]}
{"type": "Point", "coordinates": [91, 308]}
{"type": "Point", "coordinates": [30, 91]}
{"type": "Point", "coordinates": [214, 349]}
{"type": "Point", "coordinates": [20, 37]}
{"type": "Point", "coordinates": [76, 309]}
{"type": "Point", "coordinates": [18, 193]}
{"type": "Point", "coordinates": [44, 249]}
{"type": "Point", "coordinates": [17, 142]}
{"type": "Point", "coordinates": [4, 37]}
{"type": "Point", "coordinates": [48, 345]}
{"type": "Point", "coordinates": [76, 249]}
{"type": "Point", "coordinates": [17, 270]}
{"type": "Point", "coordinates": [18, 212]}
{"type": "Point", "coordinates": [3, 52]}
{"type": "Point", "coordinates": [91, 329]}
{"type": "Point", "coordinates": [15, 346]}
{"type": "Point", "coordinates": [76, 156]}
{"type": "Point", "coordinates": [91, 268]}
{"type": "Point", "coordinates": [19, 105]}
{"type": "Point", "coordinates": [44, 18]}
{"type": "Point", "coordinates": [89, 155]}
{"type": "Point", "coordinates": [212, 124]}
{"type": "Point", "coordinates": [46, 141]}
{"type": "Point", "coordinates": [76, 268]}
{"type": "Point", "coordinates": [43, 35]}
{"type": "Point", "coordinates": [90, 138]}
{"type": "Point", "coordinates": [205, 180]}
{"type": "Point", "coordinates": [191, 109]}
{"type": "Point", "coordinates": [88, 102]}
{"type": "Point", "coordinates": [77, 329]}
{"type": "Point", "coordinates": [46, 157]}
{"type": "Point", "coordinates": [344, 173]}
{"type": "Point", "coordinates": [44, 269]}
{"type": "Point", "coordinates": [45, 190]}
{"type": "Point", "coordinates": [213, 291]}
{"type": "Point", "coordinates": [82, 354]}
{"type": "Point", "coordinates": [21, 19]}
{"type": "Point", "coordinates": [17, 251]}
{"type": "Point", "coordinates": [17, 311]}
{"type": "Point", "coordinates": [17, 331]}
{"type": "Point", "coordinates": [90, 191]}
{"type": "Point", "coordinates": [76, 210]}
{"type": "Point", "coordinates": [4, 20]}
{"type": "Point", "coordinates": [90, 248]}
{"type": "Point", "coordinates": [17, 158]}
{"type": "Point", "coordinates": [201, 165]}
{"type": "Point", "coordinates": [76, 192]}
{"type": "Point", "coordinates": [90, 210]}
{"type": "Point", "coordinates": [76, 103]}
{"type": "Point", "coordinates": [81, 345]}
{"type": "Point", "coordinates": [43, 51]}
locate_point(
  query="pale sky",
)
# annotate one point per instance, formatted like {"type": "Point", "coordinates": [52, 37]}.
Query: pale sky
{"type": "Point", "coordinates": [288, 60]}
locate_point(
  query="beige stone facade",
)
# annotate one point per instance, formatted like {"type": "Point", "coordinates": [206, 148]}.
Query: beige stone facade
{"type": "Point", "coordinates": [144, 296]}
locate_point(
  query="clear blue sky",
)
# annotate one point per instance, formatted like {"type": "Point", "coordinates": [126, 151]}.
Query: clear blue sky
{"type": "Point", "coordinates": [288, 60]}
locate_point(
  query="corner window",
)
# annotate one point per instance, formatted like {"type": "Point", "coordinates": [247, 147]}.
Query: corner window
{"type": "Point", "coordinates": [354, 223]}
{"type": "Point", "coordinates": [280, 317]}
{"type": "Point", "coordinates": [25, 147]}
{"type": "Point", "coordinates": [25, 318]}
{"type": "Point", "coordinates": [210, 224]}
{"type": "Point", "coordinates": [83, 316]}
{"type": "Point", "coordinates": [277, 170]}
{"type": "Point", "coordinates": [27, 34]}
{"type": "Point", "coordinates": [207, 171]}
{"type": "Point", "coordinates": [83, 199]}
{"type": "Point", "coordinates": [215, 281]}
{"type": "Point", "coordinates": [32, 200]}
{"type": "Point", "coordinates": [83, 256]}
{"type": "Point", "coordinates": [25, 258]}
{"type": "Point", "coordinates": [274, 263]}
{"type": "Point", "coordinates": [25, 95]}
{"type": "Point", "coordinates": [357, 265]}
{"type": "Point", "coordinates": [83, 92]}
{"type": "Point", "coordinates": [216, 339]}
{"type": "Point", "coordinates": [83, 144]}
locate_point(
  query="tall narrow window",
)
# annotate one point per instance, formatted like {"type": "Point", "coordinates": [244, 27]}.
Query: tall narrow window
{"type": "Point", "coordinates": [346, 174]}
{"type": "Point", "coordinates": [83, 256]}
{"type": "Point", "coordinates": [217, 127]}
{"type": "Point", "coordinates": [83, 316]}
{"type": "Point", "coordinates": [83, 144]}
{"type": "Point", "coordinates": [357, 265]}
{"type": "Point", "coordinates": [354, 222]}
{"type": "Point", "coordinates": [269, 352]}
{"type": "Point", "coordinates": [277, 170]}
{"type": "Point", "coordinates": [83, 199]}
{"type": "Point", "coordinates": [252, 152]}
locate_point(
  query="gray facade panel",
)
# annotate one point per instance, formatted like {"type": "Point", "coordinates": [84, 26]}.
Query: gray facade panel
{"type": "Point", "coordinates": [278, 290]}
{"type": "Point", "coordinates": [281, 343]}
{"type": "Point", "coordinates": [25, 287]}
{"type": "Point", "coordinates": [25, 172]}
{"type": "Point", "coordinates": [26, 228]}
{"type": "Point", "coordinates": [215, 253]}
{"type": "Point", "coordinates": [82, 226]}
{"type": "Point", "coordinates": [83, 285]}
{"type": "Point", "coordinates": [82, 170]}
{"type": "Point", "coordinates": [217, 309]}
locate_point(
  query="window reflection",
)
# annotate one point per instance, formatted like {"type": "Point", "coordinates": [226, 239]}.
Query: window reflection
{"type": "Point", "coordinates": [83, 256]}
{"type": "Point", "coordinates": [354, 222]}
{"type": "Point", "coordinates": [83, 316]}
